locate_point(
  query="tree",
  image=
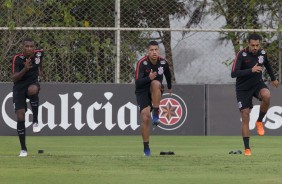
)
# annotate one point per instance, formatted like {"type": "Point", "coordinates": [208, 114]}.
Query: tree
{"type": "Point", "coordinates": [246, 14]}
{"type": "Point", "coordinates": [154, 14]}
{"type": "Point", "coordinates": [81, 56]}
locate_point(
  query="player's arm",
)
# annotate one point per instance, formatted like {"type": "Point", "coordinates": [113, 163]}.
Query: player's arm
{"type": "Point", "coordinates": [40, 68]}
{"type": "Point", "coordinates": [140, 79]}
{"type": "Point", "coordinates": [237, 71]}
{"type": "Point", "coordinates": [17, 73]}
{"type": "Point", "coordinates": [167, 75]}
{"type": "Point", "coordinates": [269, 69]}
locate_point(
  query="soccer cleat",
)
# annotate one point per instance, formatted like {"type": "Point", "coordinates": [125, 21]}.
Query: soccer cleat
{"type": "Point", "coordinates": [260, 129]}
{"type": "Point", "coordinates": [156, 120]}
{"type": "Point", "coordinates": [248, 152]}
{"type": "Point", "coordinates": [147, 152]}
{"type": "Point", "coordinates": [36, 128]}
{"type": "Point", "coordinates": [23, 153]}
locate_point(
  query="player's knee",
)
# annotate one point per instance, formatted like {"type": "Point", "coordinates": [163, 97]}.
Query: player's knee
{"type": "Point", "coordinates": [33, 90]}
{"type": "Point", "coordinates": [20, 115]}
{"type": "Point", "coordinates": [146, 117]}
{"type": "Point", "coordinates": [265, 95]}
{"type": "Point", "coordinates": [155, 85]}
{"type": "Point", "coordinates": [245, 113]}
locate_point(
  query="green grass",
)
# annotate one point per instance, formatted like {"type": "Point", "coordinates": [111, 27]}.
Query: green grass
{"type": "Point", "coordinates": [119, 160]}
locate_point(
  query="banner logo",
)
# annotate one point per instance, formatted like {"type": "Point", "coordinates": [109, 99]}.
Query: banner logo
{"type": "Point", "coordinates": [272, 119]}
{"type": "Point", "coordinates": [173, 112]}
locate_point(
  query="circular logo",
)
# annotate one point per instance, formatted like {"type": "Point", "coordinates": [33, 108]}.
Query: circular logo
{"type": "Point", "coordinates": [173, 112]}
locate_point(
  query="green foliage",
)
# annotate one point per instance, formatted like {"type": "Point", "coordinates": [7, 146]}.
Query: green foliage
{"type": "Point", "coordinates": [245, 15]}
{"type": "Point", "coordinates": [76, 56]}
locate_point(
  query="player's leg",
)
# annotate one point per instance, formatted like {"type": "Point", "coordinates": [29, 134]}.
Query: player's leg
{"type": "Point", "coordinates": [156, 92]}
{"type": "Point", "coordinates": [33, 91]}
{"type": "Point", "coordinates": [245, 114]}
{"type": "Point", "coordinates": [263, 95]}
{"type": "Point", "coordinates": [244, 99]}
{"type": "Point", "coordinates": [145, 129]}
{"type": "Point", "coordinates": [19, 101]}
{"type": "Point", "coordinates": [21, 131]}
{"type": "Point", "coordinates": [144, 104]}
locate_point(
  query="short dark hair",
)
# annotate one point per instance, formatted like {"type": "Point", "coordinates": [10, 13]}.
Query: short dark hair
{"type": "Point", "coordinates": [28, 39]}
{"type": "Point", "coordinates": [155, 43]}
{"type": "Point", "coordinates": [254, 36]}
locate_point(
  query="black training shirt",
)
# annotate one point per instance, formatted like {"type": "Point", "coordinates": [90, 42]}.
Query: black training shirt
{"type": "Point", "coordinates": [32, 74]}
{"type": "Point", "coordinates": [143, 69]}
{"type": "Point", "coordinates": [242, 68]}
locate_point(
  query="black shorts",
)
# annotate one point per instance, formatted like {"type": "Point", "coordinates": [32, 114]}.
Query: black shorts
{"type": "Point", "coordinates": [245, 97]}
{"type": "Point", "coordinates": [20, 95]}
{"type": "Point", "coordinates": [144, 99]}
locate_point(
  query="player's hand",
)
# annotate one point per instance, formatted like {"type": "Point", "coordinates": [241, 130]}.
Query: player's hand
{"type": "Point", "coordinates": [152, 75]}
{"type": "Point", "coordinates": [27, 64]}
{"type": "Point", "coordinates": [275, 83]}
{"type": "Point", "coordinates": [257, 68]}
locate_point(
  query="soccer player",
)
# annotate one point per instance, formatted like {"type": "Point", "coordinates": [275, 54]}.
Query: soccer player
{"type": "Point", "coordinates": [148, 89]}
{"type": "Point", "coordinates": [26, 68]}
{"type": "Point", "coordinates": [247, 68]}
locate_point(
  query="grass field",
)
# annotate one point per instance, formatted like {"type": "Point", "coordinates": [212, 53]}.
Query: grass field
{"type": "Point", "coordinates": [119, 160]}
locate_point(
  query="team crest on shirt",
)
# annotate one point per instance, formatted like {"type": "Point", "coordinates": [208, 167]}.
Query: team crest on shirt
{"type": "Point", "coordinates": [260, 59]}
{"type": "Point", "coordinates": [37, 61]}
{"type": "Point", "coordinates": [244, 54]}
{"type": "Point", "coordinates": [38, 54]}
{"type": "Point", "coordinates": [22, 57]}
{"type": "Point", "coordinates": [240, 105]}
{"type": "Point", "coordinates": [160, 70]}
{"type": "Point", "coordinates": [262, 51]}
{"type": "Point", "coordinates": [145, 63]}
{"type": "Point", "coordinates": [163, 62]}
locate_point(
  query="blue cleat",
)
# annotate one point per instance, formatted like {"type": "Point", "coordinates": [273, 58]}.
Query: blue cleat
{"type": "Point", "coordinates": [156, 120]}
{"type": "Point", "coordinates": [147, 152]}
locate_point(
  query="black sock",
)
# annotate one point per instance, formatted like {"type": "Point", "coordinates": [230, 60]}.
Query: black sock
{"type": "Point", "coordinates": [146, 145]}
{"type": "Point", "coordinates": [34, 101]}
{"type": "Point", "coordinates": [156, 111]}
{"type": "Point", "coordinates": [246, 142]}
{"type": "Point", "coordinates": [21, 133]}
{"type": "Point", "coordinates": [261, 115]}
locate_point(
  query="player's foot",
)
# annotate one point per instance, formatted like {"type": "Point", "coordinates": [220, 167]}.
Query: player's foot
{"type": "Point", "coordinates": [156, 120]}
{"type": "Point", "coordinates": [147, 152]}
{"type": "Point", "coordinates": [36, 128]}
{"type": "Point", "coordinates": [260, 129]}
{"type": "Point", "coordinates": [248, 152]}
{"type": "Point", "coordinates": [23, 153]}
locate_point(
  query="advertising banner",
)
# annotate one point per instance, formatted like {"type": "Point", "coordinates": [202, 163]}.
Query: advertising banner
{"type": "Point", "coordinates": [105, 109]}
{"type": "Point", "coordinates": [223, 115]}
